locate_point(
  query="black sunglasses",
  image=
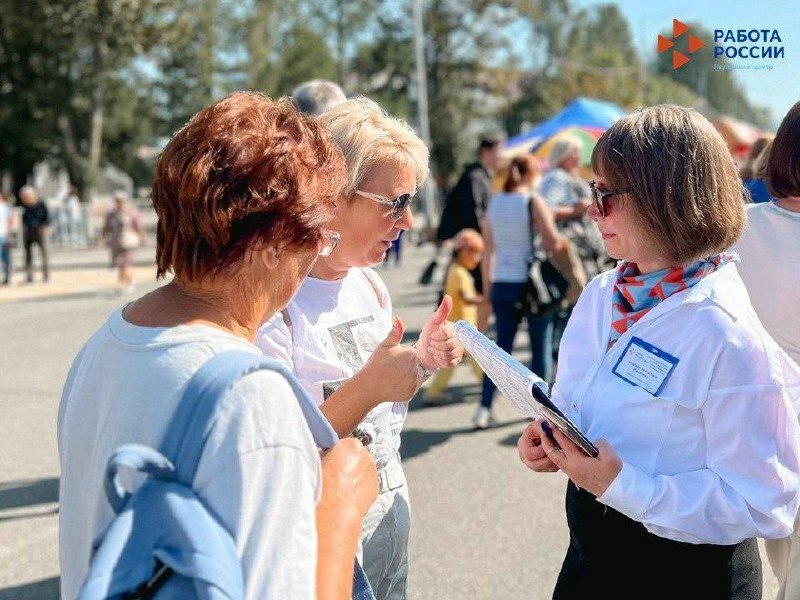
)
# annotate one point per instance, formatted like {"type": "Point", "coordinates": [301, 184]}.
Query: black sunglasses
{"type": "Point", "coordinates": [399, 204]}
{"type": "Point", "coordinates": [599, 196]}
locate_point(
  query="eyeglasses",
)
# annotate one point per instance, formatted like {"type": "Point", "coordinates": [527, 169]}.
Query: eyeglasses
{"type": "Point", "coordinates": [599, 196]}
{"type": "Point", "coordinates": [399, 204]}
{"type": "Point", "coordinates": [331, 241]}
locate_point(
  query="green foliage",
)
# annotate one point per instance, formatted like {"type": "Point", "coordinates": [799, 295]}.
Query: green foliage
{"type": "Point", "coordinates": [95, 80]}
{"type": "Point", "coordinates": [384, 67]}
{"type": "Point", "coordinates": [585, 53]}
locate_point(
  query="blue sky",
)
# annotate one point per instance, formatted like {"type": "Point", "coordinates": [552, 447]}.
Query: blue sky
{"type": "Point", "coordinates": [778, 89]}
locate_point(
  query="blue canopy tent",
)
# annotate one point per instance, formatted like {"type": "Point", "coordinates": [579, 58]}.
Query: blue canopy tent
{"type": "Point", "coordinates": [581, 112]}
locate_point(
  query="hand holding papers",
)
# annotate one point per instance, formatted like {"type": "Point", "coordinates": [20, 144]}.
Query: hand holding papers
{"type": "Point", "coordinates": [526, 390]}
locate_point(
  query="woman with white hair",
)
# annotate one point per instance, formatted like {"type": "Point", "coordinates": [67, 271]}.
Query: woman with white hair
{"type": "Point", "coordinates": [342, 313]}
{"type": "Point", "coordinates": [561, 189]}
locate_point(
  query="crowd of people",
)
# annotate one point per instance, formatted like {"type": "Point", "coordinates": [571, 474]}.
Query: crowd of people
{"type": "Point", "coordinates": [678, 359]}
{"type": "Point", "coordinates": [39, 226]}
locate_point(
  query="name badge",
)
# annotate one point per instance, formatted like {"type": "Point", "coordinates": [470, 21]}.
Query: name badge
{"type": "Point", "coordinates": [646, 366]}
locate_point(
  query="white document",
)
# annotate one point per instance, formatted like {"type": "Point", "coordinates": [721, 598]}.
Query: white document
{"type": "Point", "coordinates": [517, 383]}
{"type": "Point", "coordinates": [508, 374]}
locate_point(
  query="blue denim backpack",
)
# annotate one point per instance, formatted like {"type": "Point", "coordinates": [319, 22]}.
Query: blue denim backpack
{"type": "Point", "coordinates": [163, 542]}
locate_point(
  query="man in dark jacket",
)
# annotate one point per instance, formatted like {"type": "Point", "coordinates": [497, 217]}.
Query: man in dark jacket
{"type": "Point", "coordinates": [468, 200]}
{"type": "Point", "coordinates": [35, 226]}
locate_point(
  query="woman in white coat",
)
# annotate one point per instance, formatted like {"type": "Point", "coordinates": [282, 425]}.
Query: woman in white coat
{"type": "Point", "coordinates": [666, 366]}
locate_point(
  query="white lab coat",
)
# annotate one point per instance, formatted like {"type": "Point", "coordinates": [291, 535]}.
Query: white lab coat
{"type": "Point", "coordinates": [715, 456]}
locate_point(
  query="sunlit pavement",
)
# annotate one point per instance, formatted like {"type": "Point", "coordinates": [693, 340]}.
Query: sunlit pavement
{"type": "Point", "coordinates": [484, 527]}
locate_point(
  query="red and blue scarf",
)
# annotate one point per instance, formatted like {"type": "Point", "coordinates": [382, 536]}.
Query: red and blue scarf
{"type": "Point", "coordinates": [636, 294]}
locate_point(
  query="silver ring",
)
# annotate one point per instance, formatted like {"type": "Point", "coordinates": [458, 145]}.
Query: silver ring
{"type": "Point", "coordinates": [552, 449]}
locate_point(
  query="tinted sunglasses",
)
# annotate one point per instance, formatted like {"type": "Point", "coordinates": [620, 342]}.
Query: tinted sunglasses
{"type": "Point", "coordinates": [599, 196]}
{"type": "Point", "coordinates": [399, 204]}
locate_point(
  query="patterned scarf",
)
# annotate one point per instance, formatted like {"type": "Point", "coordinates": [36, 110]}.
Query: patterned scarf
{"type": "Point", "coordinates": [636, 294]}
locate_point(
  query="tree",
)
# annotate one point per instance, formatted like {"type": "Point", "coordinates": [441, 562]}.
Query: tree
{"type": "Point", "coordinates": [343, 22]}
{"type": "Point", "coordinates": [463, 40]}
{"type": "Point", "coordinates": [385, 66]}
{"type": "Point", "coordinates": [59, 59]}
{"type": "Point", "coordinates": [32, 80]}
{"type": "Point", "coordinates": [586, 52]}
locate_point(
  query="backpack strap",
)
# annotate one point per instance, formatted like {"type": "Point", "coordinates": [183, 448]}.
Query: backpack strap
{"type": "Point", "coordinates": [197, 410]}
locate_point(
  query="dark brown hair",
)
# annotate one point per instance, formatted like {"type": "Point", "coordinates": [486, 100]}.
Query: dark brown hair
{"type": "Point", "coordinates": [783, 163]}
{"type": "Point", "coordinates": [750, 168]}
{"type": "Point", "coordinates": [684, 184]}
{"type": "Point", "coordinates": [243, 171]}
{"type": "Point", "coordinates": [521, 167]}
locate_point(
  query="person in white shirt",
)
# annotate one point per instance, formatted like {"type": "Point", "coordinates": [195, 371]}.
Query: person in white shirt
{"type": "Point", "coordinates": [770, 269]}
{"type": "Point", "coordinates": [331, 332]}
{"type": "Point", "coordinates": [667, 368]}
{"type": "Point", "coordinates": [244, 194]}
{"type": "Point", "coordinates": [7, 231]}
{"type": "Point", "coordinates": [515, 216]}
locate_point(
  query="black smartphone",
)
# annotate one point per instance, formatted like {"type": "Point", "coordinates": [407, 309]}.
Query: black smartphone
{"type": "Point", "coordinates": [558, 419]}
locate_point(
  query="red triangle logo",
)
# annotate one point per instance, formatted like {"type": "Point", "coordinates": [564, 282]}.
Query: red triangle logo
{"type": "Point", "coordinates": [678, 28]}
{"type": "Point", "coordinates": [678, 59]}
{"type": "Point", "coordinates": [695, 43]}
{"type": "Point", "coordinates": [664, 44]}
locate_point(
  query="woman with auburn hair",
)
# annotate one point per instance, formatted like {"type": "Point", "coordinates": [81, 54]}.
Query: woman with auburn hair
{"type": "Point", "coordinates": [771, 271]}
{"type": "Point", "coordinates": [244, 194]}
{"type": "Point", "coordinates": [665, 365]}
{"type": "Point", "coordinates": [340, 321]}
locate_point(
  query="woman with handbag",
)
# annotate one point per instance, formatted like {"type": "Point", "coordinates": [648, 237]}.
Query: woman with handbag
{"type": "Point", "coordinates": [124, 232]}
{"type": "Point", "coordinates": [665, 365]}
{"type": "Point", "coordinates": [508, 229]}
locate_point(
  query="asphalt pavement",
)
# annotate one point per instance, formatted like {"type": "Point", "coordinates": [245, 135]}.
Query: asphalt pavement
{"type": "Point", "coordinates": [484, 527]}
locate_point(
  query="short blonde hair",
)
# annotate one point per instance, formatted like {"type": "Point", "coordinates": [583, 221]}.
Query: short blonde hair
{"type": "Point", "coordinates": [685, 189]}
{"type": "Point", "coordinates": [368, 137]}
{"type": "Point", "coordinates": [563, 147]}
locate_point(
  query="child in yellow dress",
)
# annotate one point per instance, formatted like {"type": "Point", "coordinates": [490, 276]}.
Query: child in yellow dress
{"type": "Point", "coordinates": [460, 286]}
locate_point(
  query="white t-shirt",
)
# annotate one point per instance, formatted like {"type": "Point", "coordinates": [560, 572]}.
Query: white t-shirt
{"type": "Point", "coordinates": [559, 188]}
{"type": "Point", "coordinates": [510, 221]}
{"type": "Point", "coordinates": [770, 268]}
{"type": "Point", "coordinates": [335, 327]}
{"type": "Point", "coordinates": [5, 219]}
{"type": "Point", "coordinates": [259, 472]}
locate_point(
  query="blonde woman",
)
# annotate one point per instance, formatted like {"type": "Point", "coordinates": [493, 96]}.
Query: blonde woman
{"type": "Point", "coordinates": [342, 313]}
{"type": "Point", "coordinates": [665, 365]}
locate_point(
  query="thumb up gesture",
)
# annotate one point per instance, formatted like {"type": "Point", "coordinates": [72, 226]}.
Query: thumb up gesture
{"type": "Point", "coordinates": [390, 374]}
{"type": "Point", "coordinates": [437, 346]}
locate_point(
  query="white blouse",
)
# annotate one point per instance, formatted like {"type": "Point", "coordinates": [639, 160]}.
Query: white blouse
{"type": "Point", "coordinates": [714, 456]}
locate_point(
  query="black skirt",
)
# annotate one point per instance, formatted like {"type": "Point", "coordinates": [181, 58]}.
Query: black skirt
{"type": "Point", "coordinates": [613, 556]}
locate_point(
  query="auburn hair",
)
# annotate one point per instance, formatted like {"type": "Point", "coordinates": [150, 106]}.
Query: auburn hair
{"type": "Point", "coordinates": [243, 171]}
{"type": "Point", "coordinates": [521, 168]}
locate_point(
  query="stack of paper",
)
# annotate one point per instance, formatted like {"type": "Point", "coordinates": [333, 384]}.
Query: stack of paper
{"type": "Point", "coordinates": [526, 390]}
